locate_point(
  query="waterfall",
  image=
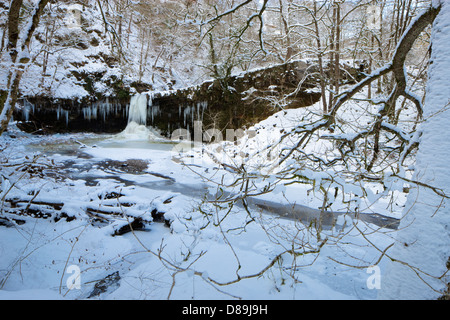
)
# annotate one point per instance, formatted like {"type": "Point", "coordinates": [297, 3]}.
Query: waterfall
{"type": "Point", "coordinates": [136, 128]}
{"type": "Point", "coordinates": [138, 109]}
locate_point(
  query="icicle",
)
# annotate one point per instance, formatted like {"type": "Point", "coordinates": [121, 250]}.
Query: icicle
{"type": "Point", "coordinates": [60, 112]}
{"type": "Point", "coordinates": [105, 109]}
{"type": "Point", "coordinates": [26, 113]}
{"type": "Point", "coordinates": [67, 117]}
{"type": "Point", "coordinates": [154, 111]}
{"type": "Point", "coordinates": [187, 113]}
{"type": "Point", "coordinates": [85, 113]}
{"type": "Point", "coordinates": [95, 111]}
{"type": "Point", "coordinates": [26, 110]}
{"type": "Point", "coordinates": [204, 107]}
{"type": "Point", "coordinates": [150, 100]}
{"type": "Point", "coordinates": [198, 110]}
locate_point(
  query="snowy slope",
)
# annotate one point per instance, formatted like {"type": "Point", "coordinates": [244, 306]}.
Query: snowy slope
{"type": "Point", "coordinates": [193, 259]}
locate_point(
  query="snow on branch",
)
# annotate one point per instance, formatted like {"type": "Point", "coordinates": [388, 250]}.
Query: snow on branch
{"type": "Point", "coordinates": [386, 111]}
{"type": "Point", "coordinates": [258, 15]}
{"type": "Point", "coordinates": [220, 16]}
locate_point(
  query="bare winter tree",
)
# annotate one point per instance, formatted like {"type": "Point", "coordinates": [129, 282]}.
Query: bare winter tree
{"type": "Point", "coordinates": [380, 150]}
{"type": "Point", "coordinates": [413, 252]}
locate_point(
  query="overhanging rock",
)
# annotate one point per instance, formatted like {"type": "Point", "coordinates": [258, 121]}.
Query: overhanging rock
{"type": "Point", "coordinates": [238, 101]}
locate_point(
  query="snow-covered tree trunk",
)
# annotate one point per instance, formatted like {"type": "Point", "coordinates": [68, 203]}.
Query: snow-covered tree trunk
{"type": "Point", "coordinates": [18, 56]}
{"type": "Point", "coordinates": [419, 269]}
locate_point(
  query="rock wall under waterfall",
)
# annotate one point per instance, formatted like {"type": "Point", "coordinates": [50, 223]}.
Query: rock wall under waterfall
{"type": "Point", "coordinates": [238, 101]}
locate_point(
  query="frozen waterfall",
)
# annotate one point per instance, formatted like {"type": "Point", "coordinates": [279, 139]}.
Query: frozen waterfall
{"type": "Point", "coordinates": [138, 109]}
{"type": "Point", "coordinates": [136, 128]}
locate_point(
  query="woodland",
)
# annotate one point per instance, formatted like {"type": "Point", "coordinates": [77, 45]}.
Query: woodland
{"type": "Point", "coordinates": [232, 149]}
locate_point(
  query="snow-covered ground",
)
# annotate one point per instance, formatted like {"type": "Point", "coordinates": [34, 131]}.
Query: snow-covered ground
{"type": "Point", "coordinates": [210, 250]}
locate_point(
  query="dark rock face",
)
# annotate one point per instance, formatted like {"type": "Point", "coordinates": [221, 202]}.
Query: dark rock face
{"type": "Point", "coordinates": [232, 103]}
{"type": "Point", "coordinates": [42, 115]}
{"type": "Point", "coordinates": [236, 102]}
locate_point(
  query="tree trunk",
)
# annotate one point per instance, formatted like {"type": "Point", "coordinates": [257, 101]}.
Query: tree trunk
{"type": "Point", "coordinates": [319, 58]}
{"type": "Point", "coordinates": [420, 257]}
{"type": "Point", "coordinates": [17, 67]}
{"type": "Point", "coordinates": [337, 49]}
{"type": "Point", "coordinates": [13, 28]}
{"type": "Point", "coordinates": [332, 53]}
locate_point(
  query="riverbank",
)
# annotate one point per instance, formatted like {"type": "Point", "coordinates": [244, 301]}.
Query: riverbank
{"type": "Point", "coordinates": [203, 250]}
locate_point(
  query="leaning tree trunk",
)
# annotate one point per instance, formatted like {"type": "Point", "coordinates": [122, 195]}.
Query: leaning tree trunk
{"type": "Point", "coordinates": [420, 258]}
{"type": "Point", "coordinates": [18, 57]}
